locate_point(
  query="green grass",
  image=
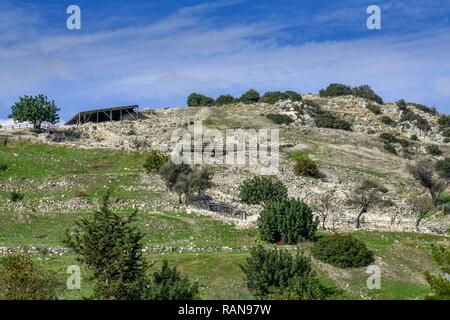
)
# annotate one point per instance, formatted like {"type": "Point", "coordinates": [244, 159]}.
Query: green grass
{"type": "Point", "coordinates": [170, 229]}
{"type": "Point", "coordinates": [42, 160]}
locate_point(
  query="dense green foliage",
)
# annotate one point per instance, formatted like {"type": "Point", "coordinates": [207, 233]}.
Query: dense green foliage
{"type": "Point", "coordinates": [426, 109]}
{"type": "Point", "coordinates": [249, 97]}
{"type": "Point", "coordinates": [111, 246]}
{"type": "Point", "coordinates": [433, 150]}
{"type": "Point", "coordinates": [335, 90]}
{"type": "Point", "coordinates": [389, 138]}
{"type": "Point", "coordinates": [342, 251]}
{"type": "Point", "coordinates": [262, 190]}
{"type": "Point", "coordinates": [168, 284]}
{"type": "Point", "coordinates": [225, 99]}
{"type": "Point", "coordinates": [15, 196]}
{"type": "Point", "coordinates": [184, 180]}
{"type": "Point", "coordinates": [387, 121]}
{"type": "Point", "coordinates": [276, 272]}
{"type": "Point", "coordinates": [22, 279]}
{"type": "Point", "coordinates": [199, 100]}
{"type": "Point", "coordinates": [155, 160]}
{"type": "Point", "coordinates": [440, 283]}
{"type": "Point", "coordinates": [374, 108]}
{"type": "Point", "coordinates": [326, 119]}
{"type": "Point", "coordinates": [287, 221]}
{"type": "Point", "coordinates": [410, 116]}
{"type": "Point", "coordinates": [390, 148]}
{"type": "Point", "coordinates": [35, 109]}
{"type": "Point", "coordinates": [443, 167]}
{"type": "Point", "coordinates": [280, 118]}
{"type": "Point", "coordinates": [304, 166]}
{"type": "Point", "coordinates": [276, 96]}
{"type": "Point", "coordinates": [363, 91]}
{"type": "Point", "coordinates": [444, 121]}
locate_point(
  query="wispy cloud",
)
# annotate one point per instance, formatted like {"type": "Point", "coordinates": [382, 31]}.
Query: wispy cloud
{"type": "Point", "coordinates": [162, 62]}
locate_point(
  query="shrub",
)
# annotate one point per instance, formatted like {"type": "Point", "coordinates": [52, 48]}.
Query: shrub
{"type": "Point", "coordinates": [262, 190]}
{"type": "Point", "coordinates": [374, 109]}
{"type": "Point", "coordinates": [274, 97]}
{"type": "Point", "coordinates": [366, 92]}
{"type": "Point", "coordinates": [251, 96]}
{"type": "Point", "coordinates": [225, 99]}
{"type": "Point", "coordinates": [304, 166]}
{"type": "Point", "coordinates": [22, 279]}
{"type": "Point", "coordinates": [424, 108]}
{"type": "Point", "coordinates": [335, 90]}
{"type": "Point", "coordinates": [439, 283]}
{"type": "Point", "coordinates": [342, 251]}
{"type": "Point", "coordinates": [272, 271]}
{"type": "Point", "coordinates": [170, 172]}
{"type": "Point", "coordinates": [289, 221]}
{"type": "Point", "coordinates": [443, 168]}
{"type": "Point", "coordinates": [414, 137]}
{"type": "Point", "coordinates": [390, 148]}
{"type": "Point", "coordinates": [446, 132]}
{"type": "Point", "coordinates": [196, 181]}
{"type": "Point", "coordinates": [16, 196]}
{"type": "Point", "coordinates": [3, 167]}
{"type": "Point", "coordinates": [155, 160]}
{"type": "Point", "coordinates": [328, 120]}
{"type": "Point", "coordinates": [111, 246]}
{"type": "Point", "coordinates": [387, 121]}
{"type": "Point", "coordinates": [433, 150]}
{"type": "Point", "coordinates": [389, 138]}
{"type": "Point", "coordinates": [168, 284]}
{"type": "Point", "coordinates": [199, 100]}
{"type": "Point", "coordinates": [280, 118]}
{"type": "Point", "coordinates": [444, 120]}
{"type": "Point", "coordinates": [409, 115]}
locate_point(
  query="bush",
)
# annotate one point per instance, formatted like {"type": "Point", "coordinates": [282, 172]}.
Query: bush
{"type": "Point", "coordinates": [288, 221]}
{"type": "Point", "coordinates": [387, 121]}
{"type": "Point", "coordinates": [366, 92]}
{"type": "Point", "coordinates": [335, 90]}
{"type": "Point", "coordinates": [225, 99]}
{"type": "Point", "coordinates": [342, 251]}
{"type": "Point", "coordinates": [409, 115]}
{"type": "Point", "coordinates": [199, 100]}
{"type": "Point", "coordinates": [251, 96]}
{"type": "Point", "coordinates": [22, 279]}
{"type": "Point", "coordinates": [327, 120]}
{"type": "Point", "coordinates": [414, 137]}
{"type": "Point", "coordinates": [155, 160]}
{"type": "Point", "coordinates": [389, 138]}
{"type": "Point", "coordinates": [274, 97]}
{"type": "Point", "coordinates": [272, 271]}
{"type": "Point", "coordinates": [374, 109]}
{"type": "Point", "coordinates": [280, 118]}
{"type": "Point", "coordinates": [262, 190]}
{"type": "Point", "coordinates": [3, 167]}
{"type": "Point", "coordinates": [16, 196]}
{"type": "Point", "coordinates": [304, 166]}
{"type": "Point", "coordinates": [424, 108]}
{"type": "Point", "coordinates": [444, 120]}
{"type": "Point", "coordinates": [446, 133]}
{"type": "Point", "coordinates": [443, 168]}
{"type": "Point", "coordinates": [439, 283]}
{"type": "Point", "coordinates": [390, 148]}
{"type": "Point", "coordinates": [168, 284]}
{"type": "Point", "coordinates": [433, 150]}
{"type": "Point", "coordinates": [171, 172]}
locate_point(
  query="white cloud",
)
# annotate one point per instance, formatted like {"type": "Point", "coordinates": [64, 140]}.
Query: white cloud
{"type": "Point", "coordinates": [164, 61]}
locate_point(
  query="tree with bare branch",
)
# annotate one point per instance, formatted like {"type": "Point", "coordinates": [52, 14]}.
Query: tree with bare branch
{"type": "Point", "coordinates": [423, 207]}
{"type": "Point", "coordinates": [324, 206]}
{"type": "Point", "coordinates": [424, 173]}
{"type": "Point", "coordinates": [365, 195]}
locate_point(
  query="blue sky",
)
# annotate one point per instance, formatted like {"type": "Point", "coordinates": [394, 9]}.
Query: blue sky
{"type": "Point", "coordinates": [154, 53]}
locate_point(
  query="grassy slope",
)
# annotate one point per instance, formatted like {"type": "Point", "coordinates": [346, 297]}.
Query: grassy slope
{"type": "Point", "coordinates": [403, 257]}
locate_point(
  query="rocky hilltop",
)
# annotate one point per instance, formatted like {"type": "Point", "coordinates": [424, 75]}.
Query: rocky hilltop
{"type": "Point", "coordinates": [345, 157]}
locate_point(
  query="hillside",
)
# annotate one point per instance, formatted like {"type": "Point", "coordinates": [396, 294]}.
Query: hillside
{"type": "Point", "coordinates": [63, 174]}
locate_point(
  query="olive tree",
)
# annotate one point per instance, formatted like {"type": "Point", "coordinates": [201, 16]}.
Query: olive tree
{"type": "Point", "coordinates": [35, 109]}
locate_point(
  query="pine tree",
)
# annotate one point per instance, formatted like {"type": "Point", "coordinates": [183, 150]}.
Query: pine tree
{"type": "Point", "coordinates": [111, 246]}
